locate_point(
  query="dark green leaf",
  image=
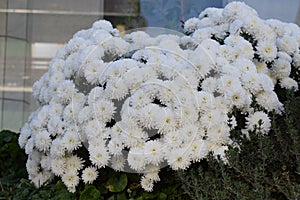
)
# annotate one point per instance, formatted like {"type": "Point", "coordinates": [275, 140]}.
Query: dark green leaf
{"type": "Point", "coordinates": [90, 192]}
{"type": "Point", "coordinates": [117, 183]}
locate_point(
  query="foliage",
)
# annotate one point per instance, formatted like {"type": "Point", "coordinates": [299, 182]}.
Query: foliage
{"type": "Point", "coordinates": [13, 159]}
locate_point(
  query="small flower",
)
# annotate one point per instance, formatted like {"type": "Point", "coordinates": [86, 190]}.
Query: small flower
{"type": "Point", "coordinates": [147, 184]}
{"type": "Point", "coordinates": [259, 121]}
{"type": "Point", "coordinates": [179, 159]}
{"type": "Point", "coordinates": [71, 141]}
{"type": "Point", "coordinates": [58, 166]}
{"type": "Point", "coordinates": [99, 156]}
{"type": "Point", "coordinates": [43, 141]}
{"type": "Point", "coordinates": [89, 174]}
{"type": "Point", "coordinates": [289, 83]}
{"type": "Point", "coordinates": [74, 163]}
{"type": "Point", "coordinates": [71, 180]}
{"type": "Point", "coordinates": [153, 152]}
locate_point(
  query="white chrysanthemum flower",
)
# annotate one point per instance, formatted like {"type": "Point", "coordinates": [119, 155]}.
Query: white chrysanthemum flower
{"type": "Point", "coordinates": [209, 85]}
{"type": "Point", "coordinates": [205, 100]}
{"type": "Point", "coordinates": [99, 156]}
{"type": "Point", "coordinates": [136, 159]}
{"type": "Point", "coordinates": [93, 70]}
{"type": "Point", "coordinates": [251, 82]}
{"type": "Point", "coordinates": [133, 137]}
{"type": "Point", "coordinates": [288, 44]}
{"type": "Point", "coordinates": [68, 70]}
{"type": "Point", "coordinates": [74, 163]}
{"type": "Point", "coordinates": [173, 139]}
{"type": "Point", "coordinates": [191, 24]}
{"type": "Point", "coordinates": [103, 25]}
{"type": "Point", "coordinates": [230, 70]}
{"type": "Point", "coordinates": [70, 112]}
{"type": "Point", "coordinates": [151, 172]}
{"type": "Point", "coordinates": [202, 61]}
{"type": "Point", "coordinates": [296, 60]}
{"type": "Point", "coordinates": [218, 134]}
{"type": "Point", "coordinates": [32, 167]}
{"type": "Point", "coordinates": [95, 130]}
{"type": "Point", "coordinates": [261, 67]}
{"type": "Point", "coordinates": [179, 158]}
{"type": "Point", "coordinates": [58, 166]}
{"type": "Point", "coordinates": [41, 178]}
{"type": "Point", "coordinates": [277, 26]}
{"type": "Point", "coordinates": [57, 148]}
{"type": "Point", "coordinates": [42, 141]}
{"type": "Point", "coordinates": [236, 10]}
{"type": "Point", "coordinates": [46, 162]}
{"type": "Point", "coordinates": [147, 184]}
{"type": "Point", "coordinates": [227, 82]}
{"type": "Point", "coordinates": [212, 118]}
{"type": "Point", "coordinates": [281, 68]}
{"type": "Point", "coordinates": [78, 100]}
{"type": "Point", "coordinates": [85, 114]}
{"type": "Point", "coordinates": [140, 98]}
{"type": "Point", "coordinates": [199, 150]}
{"type": "Point", "coordinates": [238, 97]}
{"type": "Point", "coordinates": [55, 109]}
{"type": "Point", "coordinates": [29, 146]}
{"type": "Point", "coordinates": [266, 82]}
{"type": "Point", "coordinates": [245, 65]}
{"type": "Point", "coordinates": [71, 141]}
{"type": "Point", "coordinates": [25, 133]}
{"type": "Point", "coordinates": [269, 101]}
{"type": "Point", "coordinates": [266, 50]}
{"type": "Point", "coordinates": [285, 56]}
{"type": "Point", "coordinates": [220, 152]}
{"type": "Point", "coordinates": [103, 110]}
{"type": "Point", "coordinates": [140, 39]}
{"type": "Point", "coordinates": [71, 180]}
{"type": "Point", "coordinates": [65, 90]}
{"type": "Point", "coordinates": [253, 24]}
{"type": "Point", "coordinates": [93, 52]}
{"type": "Point", "coordinates": [186, 113]}
{"type": "Point", "coordinates": [201, 34]}
{"type": "Point", "coordinates": [115, 146]}
{"type": "Point", "coordinates": [259, 121]}
{"type": "Point", "coordinates": [154, 152]}
{"type": "Point", "coordinates": [289, 83]}
{"type": "Point", "coordinates": [56, 78]}
{"type": "Point", "coordinates": [166, 121]}
{"type": "Point", "coordinates": [118, 162]}
{"type": "Point", "coordinates": [89, 175]}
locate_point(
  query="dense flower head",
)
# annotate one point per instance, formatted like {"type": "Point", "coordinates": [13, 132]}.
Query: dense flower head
{"type": "Point", "coordinates": [138, 102]}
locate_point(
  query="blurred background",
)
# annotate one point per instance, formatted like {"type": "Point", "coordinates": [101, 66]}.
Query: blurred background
{"type": "Point", "coordinates": [31, 31]}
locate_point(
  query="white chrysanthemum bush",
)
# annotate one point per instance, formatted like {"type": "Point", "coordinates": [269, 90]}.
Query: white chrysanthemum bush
{"type": "Point", "coordinates": [138, 102]}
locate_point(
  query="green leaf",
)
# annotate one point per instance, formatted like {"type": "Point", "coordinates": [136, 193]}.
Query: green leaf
{"type": "Point", "coordinates": [122, 196]}
{"type": "Point", "coordinates": [162, 196]}
{"type": "Point", "coordinates": [117, 183]}
{"type": "Point", "coordinates": [60, 186]}
{"type": "Point", "coordinates": [90, 192]}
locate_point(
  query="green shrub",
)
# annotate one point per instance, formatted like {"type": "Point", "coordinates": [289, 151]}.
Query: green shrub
{"type": "Point", "coordinates": [12, 167]}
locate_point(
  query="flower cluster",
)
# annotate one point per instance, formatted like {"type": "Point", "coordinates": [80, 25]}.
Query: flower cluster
{"type": "Point", "coordinates": [137, 103]}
